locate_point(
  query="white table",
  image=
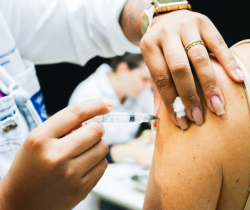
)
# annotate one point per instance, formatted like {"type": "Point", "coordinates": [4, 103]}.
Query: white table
{"type": "Point", "coordinates": [117, 187]}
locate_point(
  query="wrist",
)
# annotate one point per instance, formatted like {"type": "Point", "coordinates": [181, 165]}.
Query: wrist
{"type": "Point", "coordinates": [131, 17]}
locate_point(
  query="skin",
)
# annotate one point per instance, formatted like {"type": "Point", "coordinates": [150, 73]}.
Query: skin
{"type": "Point", "coordinates": [170, 67]}
{"type": "Point", "coordinates": [49, 175]}
{"type": "Point", "coordinates": [56, 168]}
{"type": "Point", "coordinates": [131, 83]}
{"type": "Point", "coordinates": [204, 167]}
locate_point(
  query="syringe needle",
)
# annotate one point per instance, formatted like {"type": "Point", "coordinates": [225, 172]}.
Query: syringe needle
{"type": "Point", "coordinates": [152, 117]}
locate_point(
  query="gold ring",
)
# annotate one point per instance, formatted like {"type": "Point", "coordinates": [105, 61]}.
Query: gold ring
{"type": "Point", "coordinates": [194, 43]}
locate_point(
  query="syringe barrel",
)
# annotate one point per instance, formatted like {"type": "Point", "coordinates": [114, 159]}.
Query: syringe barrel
{"type": "Point", "coordinates": [116, 117]}
{"type": "Point", "coordinates": [126, 117]}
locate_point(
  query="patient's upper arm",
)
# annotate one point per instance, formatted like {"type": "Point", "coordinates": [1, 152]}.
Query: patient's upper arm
{"type": "Point", "coordinates": [189, 166]}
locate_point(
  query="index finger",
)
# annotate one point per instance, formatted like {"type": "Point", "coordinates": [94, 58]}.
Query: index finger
{"type": "Point", "coordinates": [163, 85]}
{"type": "Point", "coordinates": [69, 118]}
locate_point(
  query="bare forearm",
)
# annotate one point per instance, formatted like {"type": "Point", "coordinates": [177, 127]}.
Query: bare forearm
{"type": "Point", "coordinates": [131, 19]}
{"type": "Point", "coordinates": [120, 152]}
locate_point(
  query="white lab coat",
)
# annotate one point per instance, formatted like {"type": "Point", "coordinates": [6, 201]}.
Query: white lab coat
{"type": "Point", "coordinates": [98, 85]}
{"type": "Point", "coordinates": [50, 31]}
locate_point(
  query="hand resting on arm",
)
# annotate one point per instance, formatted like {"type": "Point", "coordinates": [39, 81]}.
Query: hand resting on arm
{"type": "Point", "coordinates": [163, 49]}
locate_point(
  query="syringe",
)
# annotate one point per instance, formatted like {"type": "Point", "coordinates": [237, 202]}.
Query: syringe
{"type": "Point", "coordinates": [123, 117]}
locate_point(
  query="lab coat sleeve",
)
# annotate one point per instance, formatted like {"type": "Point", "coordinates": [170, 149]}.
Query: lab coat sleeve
{"type": "Point", "coordinates": [52, 31]}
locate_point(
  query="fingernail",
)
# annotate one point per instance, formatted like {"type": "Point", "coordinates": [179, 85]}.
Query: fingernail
{"type": "Point", "coordinates": [217, 105]}
{"type": "Point", "coordinates": [240, 74]}
{"type": "Point", "coordinates": [109, 103]}
{"type": "Point", "coordinates": [182, 122]}
{"type": "Point", "coordinates": [197, 115]}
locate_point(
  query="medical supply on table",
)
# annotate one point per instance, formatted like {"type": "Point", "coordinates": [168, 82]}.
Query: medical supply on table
{"type": "Point", "coordinates": [179, 108]}
{"type": "Point", "coordinates": [124, 117]}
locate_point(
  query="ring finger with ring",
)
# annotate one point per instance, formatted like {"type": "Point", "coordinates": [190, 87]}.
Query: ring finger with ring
{"type": "Point", "coordinates": [200, 60]}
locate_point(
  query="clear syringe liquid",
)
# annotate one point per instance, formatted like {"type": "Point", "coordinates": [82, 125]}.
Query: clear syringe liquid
{"type": "Point", "coordinates": [123, 117]}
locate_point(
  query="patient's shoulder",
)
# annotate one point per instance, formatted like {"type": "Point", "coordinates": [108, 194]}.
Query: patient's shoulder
{"type": "Point", "coordinates": [218, 131]}
{"type": "Point", "coordinates": [206, 165]}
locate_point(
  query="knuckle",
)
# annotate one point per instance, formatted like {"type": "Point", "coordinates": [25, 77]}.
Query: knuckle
{"type": "Point", "coordinates": [210, 87]}
{"type": "Point", "coordinates": [179, 68]}
{"type": "Point", "coordinates": [183, 23]}
{"type": "Point", "coordinates": [71, 172]}
{"type": "Point", "coordinates": [146, 43]}
{"type": "Point", "coordinates": [97, 128]}
{"type": "Point", "coordinates": [34, 140]}
{"type": "Point", "coordinates": [221, 42]}
{"type": "Point", "coordinates": [84, 182]}
{"type": "Point", "coordinates": [104, 147]}
{"type": "Point", "coordinates": [162, 81]}
{"type": "Point", "coordinates": [200, 59]}
{"type": "Point", "coordinates": [192, 98]}
{"type": "Point", "coordinates": [232, 61]}
{"type": "Point", "coordinates": [201, 18]}
{"type": "Point", "coordinates": [166, 29]}
{"type": "Point", "coordinates": [52, 160]}
{"type": "Point", "coordinates": [75, 109]}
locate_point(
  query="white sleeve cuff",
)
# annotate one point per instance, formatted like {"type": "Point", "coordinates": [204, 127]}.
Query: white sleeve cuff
{"type": "Point", "coordinates": [95, 29]}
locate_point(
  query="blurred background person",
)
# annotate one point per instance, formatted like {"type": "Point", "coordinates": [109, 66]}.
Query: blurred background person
{"type": "Point", "coordinates": [126, 80]}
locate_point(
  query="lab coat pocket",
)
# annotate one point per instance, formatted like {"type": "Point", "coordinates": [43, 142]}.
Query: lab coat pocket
{"type": "Point", "coordinates": [13, 131]}
{"type": "Point", "coordinates": [13, 126]}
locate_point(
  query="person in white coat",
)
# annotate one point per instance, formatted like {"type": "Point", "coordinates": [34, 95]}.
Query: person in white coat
{"type": "Point", "coordinates": [50, 167]}
{"type": "Point", "coordinates": [126, 80]}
